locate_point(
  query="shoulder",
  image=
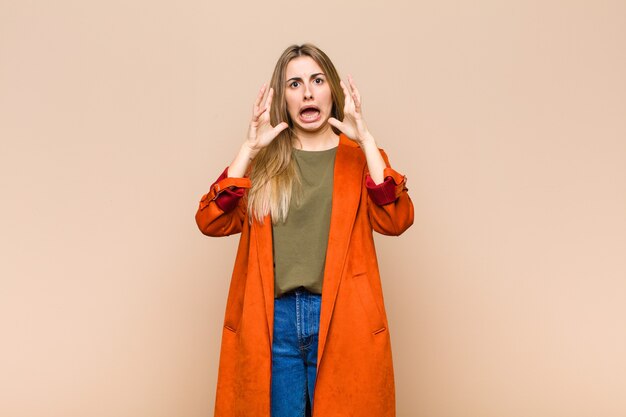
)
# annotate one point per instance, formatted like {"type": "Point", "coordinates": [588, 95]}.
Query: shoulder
{"type": "Point", "coordinates": [349, 154]}
{"type": "Point", "coordinates": [345, 141]}
{"type": "Point", "coordinates": [350, 150]}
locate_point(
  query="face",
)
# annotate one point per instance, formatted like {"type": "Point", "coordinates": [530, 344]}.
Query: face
{"type": "Point", "coordinates": [308, 96]}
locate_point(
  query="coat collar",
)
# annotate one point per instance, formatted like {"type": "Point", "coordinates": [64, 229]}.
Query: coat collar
{"type": "Point", "coordinates": [347, 177]}
{"type": "Point", "coordinates": [348, 174]}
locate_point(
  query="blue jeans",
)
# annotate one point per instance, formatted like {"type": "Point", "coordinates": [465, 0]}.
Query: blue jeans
{"type": "Point", "coordinates": [294, 353]}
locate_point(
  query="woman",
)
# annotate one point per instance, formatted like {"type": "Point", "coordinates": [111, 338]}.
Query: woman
{"type": "Point", "coordinates": [305, 328]}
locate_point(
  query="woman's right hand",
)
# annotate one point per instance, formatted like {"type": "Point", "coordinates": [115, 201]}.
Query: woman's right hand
{"type": "Point", "coordinates": [261, 133]}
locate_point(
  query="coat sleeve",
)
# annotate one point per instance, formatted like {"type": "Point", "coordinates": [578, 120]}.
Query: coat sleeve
{"type": "Point", "coordinates": [389, 206]}
{"type": "Point", "coordinates": [222, 211]}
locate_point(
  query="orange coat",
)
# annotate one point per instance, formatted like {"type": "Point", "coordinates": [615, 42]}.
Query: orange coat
{"type": "Point", "coordinates": [354, 363]}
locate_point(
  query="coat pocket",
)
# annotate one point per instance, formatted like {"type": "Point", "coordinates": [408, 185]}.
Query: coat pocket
{"type": "Point", "coordinates": [368, 302]}
{"type": "Point", "coordinates": [233, 316]}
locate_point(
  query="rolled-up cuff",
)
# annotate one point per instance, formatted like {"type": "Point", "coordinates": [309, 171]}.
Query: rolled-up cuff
{"type": "Point", "coordinates": [226, 192]}
{"type": "Point", "coordinates": [389, 190]}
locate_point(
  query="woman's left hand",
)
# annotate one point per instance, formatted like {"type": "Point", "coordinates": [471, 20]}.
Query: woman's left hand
{"type": "Point", "coordinates": [353, 125]}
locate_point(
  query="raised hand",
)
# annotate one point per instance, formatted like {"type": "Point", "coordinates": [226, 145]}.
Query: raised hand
{"type": "Point", "coordinates": [352, 124]}
{"type": "Point", "coordinates": [261, 133]}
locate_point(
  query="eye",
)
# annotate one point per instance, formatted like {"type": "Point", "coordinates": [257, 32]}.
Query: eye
{"type": "Point", "coordinates": [292, 84]}
{"type": "Point", "coordinates": [319, 80]}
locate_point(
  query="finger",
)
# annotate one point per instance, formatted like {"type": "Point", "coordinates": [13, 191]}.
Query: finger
{"type": "Point", "coordinates": [268, 101]}
{"type": "Point", "coordinates": [345, 88]}
{"type": "Point", "coordinates": [280, 127]}
{"type": "Point", "coordinates": [352, 83]}
{"type": "Point", "coordinates": [266, 94]}
{"type": "Point", "coordinates": [258, 113]}
{"type": "Point", "coordinates": [335, 123]}
{"type": "Point", "coordinates": [275, 131]}
{"type": "Point", "coordinates": [256, 108]}
{"type": "Point", "coordinates": [355, 92]}
{"type": "Point", "coordinates": [259, 110]}
{"type": "Point", "coordinates": [259, 97]}
{"type": "Point", "coordinates": [346, 93]}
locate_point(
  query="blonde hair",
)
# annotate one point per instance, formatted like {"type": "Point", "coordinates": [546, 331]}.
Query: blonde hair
{"type": "Point", "coordinates": [273, 173]}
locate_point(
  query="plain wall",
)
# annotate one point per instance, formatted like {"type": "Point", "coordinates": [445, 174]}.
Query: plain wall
{"type": "Point", "coordinates": [506, 298]}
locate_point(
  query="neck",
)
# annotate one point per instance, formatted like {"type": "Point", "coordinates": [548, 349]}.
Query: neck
{"type": "Point", "coordinates": [320, 140]}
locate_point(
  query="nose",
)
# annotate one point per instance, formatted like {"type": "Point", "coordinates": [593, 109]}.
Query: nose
{"type": "Point", "coordinates": [307, 92]}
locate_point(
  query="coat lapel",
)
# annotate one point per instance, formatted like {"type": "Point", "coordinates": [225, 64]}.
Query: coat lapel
{"type": "Point", "coordinates": [264, 246]}
{"type": "Point", "coordinates": [348, 174]}
{"type": "Point", "coordinates": [347, 177]}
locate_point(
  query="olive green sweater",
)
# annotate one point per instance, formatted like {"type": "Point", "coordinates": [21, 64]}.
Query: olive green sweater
{"type": "Point", "coordinates": [300, 243]}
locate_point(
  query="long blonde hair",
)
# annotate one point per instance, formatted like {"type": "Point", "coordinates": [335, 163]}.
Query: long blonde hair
{"type": "Point", "coordinates": [273, 173]}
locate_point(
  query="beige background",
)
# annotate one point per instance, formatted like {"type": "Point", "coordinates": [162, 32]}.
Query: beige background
{"type": "Point", "coordinates": [506, 298]}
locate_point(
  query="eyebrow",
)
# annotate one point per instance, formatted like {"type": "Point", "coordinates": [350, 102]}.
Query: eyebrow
{"type": "Point", "coordinates": [300, 79]}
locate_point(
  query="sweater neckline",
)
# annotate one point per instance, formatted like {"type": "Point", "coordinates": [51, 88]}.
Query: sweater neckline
{"type": "Point", "coordinates": [329, 150]}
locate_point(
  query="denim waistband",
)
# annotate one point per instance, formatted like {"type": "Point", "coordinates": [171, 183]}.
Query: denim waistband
{"type": "Point", "coordinates": [300, 291]}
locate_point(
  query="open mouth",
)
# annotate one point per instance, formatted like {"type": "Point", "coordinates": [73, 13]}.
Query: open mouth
{"type": "Point", "coordinates": [309, 114]}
